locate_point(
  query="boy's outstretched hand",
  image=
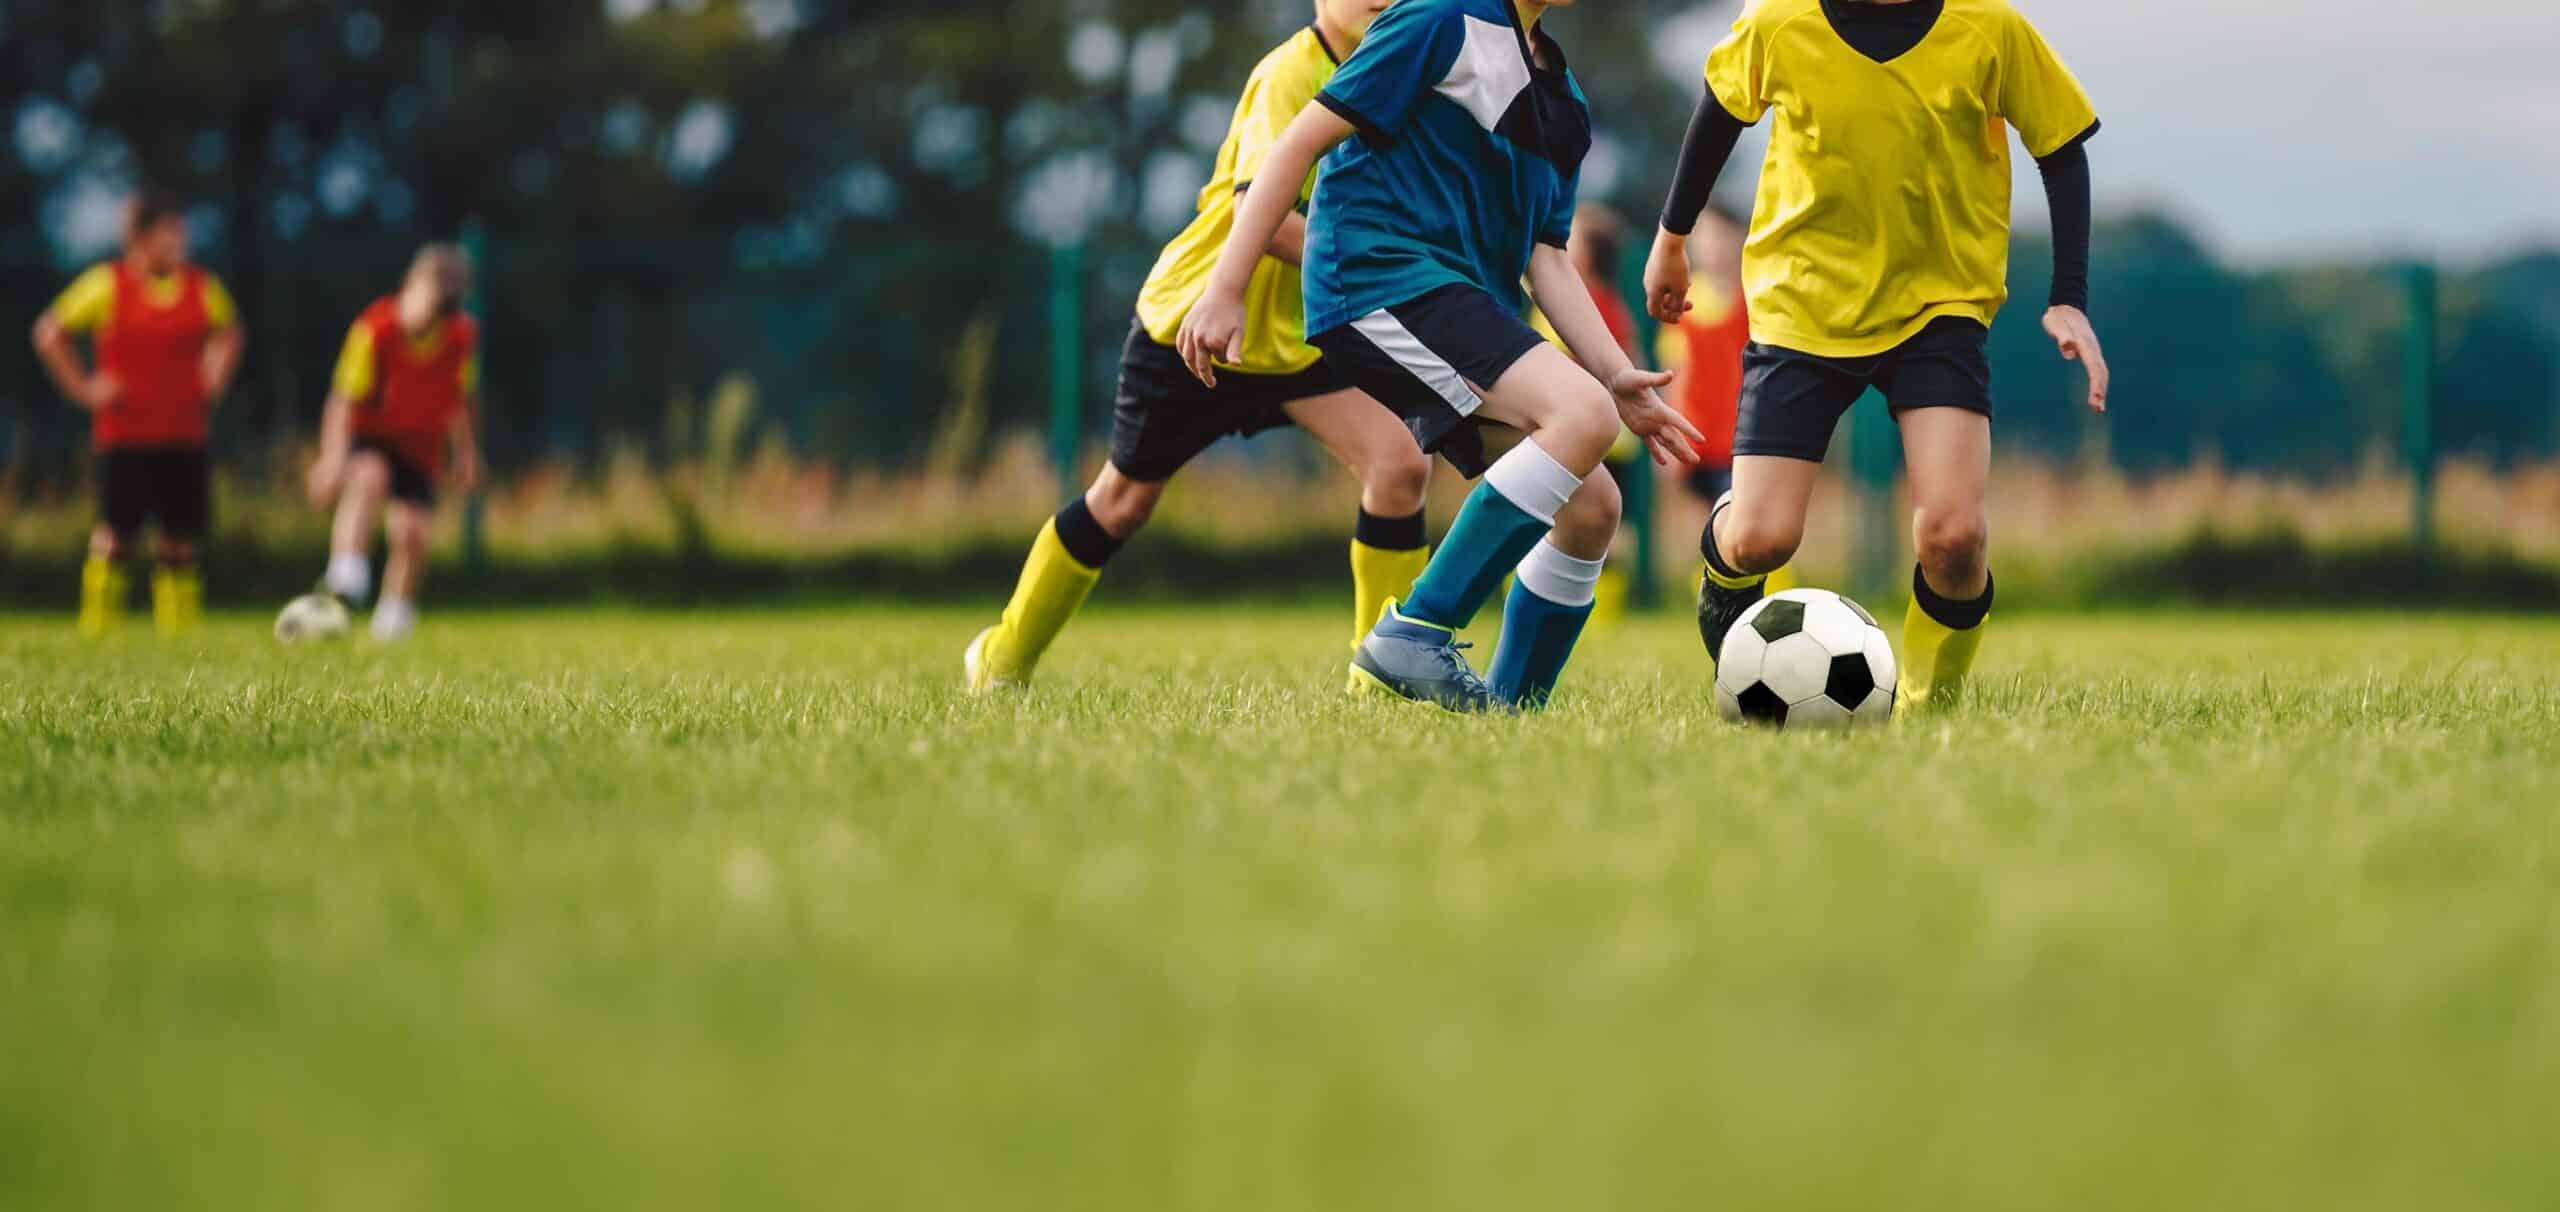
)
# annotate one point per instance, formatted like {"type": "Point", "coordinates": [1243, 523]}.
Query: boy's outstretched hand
{"type": "Point", "coordinates": [2071, 333]}
{"type": "Point", "coordinates": [1667, 435]}
{"type": "Point", "coordinates": [1666, 278]}
{"type": "Point", "coordinates": [1213, 332]}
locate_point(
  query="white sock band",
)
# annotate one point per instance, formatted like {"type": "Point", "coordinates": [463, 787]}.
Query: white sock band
{"type": "Point", "coordinates": [1532, 479]}
{"type": "Point", "coordinates": [350, 576]}
{"type": "Point", "coordinates": [1559, 578]}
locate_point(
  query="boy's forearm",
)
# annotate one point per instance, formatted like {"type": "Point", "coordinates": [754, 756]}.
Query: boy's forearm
{"type": "Point", "coordinates": [1289, 244]}
{"type": "Point", "coordinates": [1561, 294]}
{"type": "Point", "coordinates": [222, 360]}
{"type": "Point", "coordinates": [466, 428]}
{"type": "Point", "coordinates": [1273, 197]}
{"type": "Point", "coordinates": [61, 361]}
{"type": "Point", "coordinates": [337, 424]}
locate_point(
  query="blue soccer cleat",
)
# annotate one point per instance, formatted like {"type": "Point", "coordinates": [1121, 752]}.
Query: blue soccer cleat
{"type": "Point", "coordinates": [1421, 663]}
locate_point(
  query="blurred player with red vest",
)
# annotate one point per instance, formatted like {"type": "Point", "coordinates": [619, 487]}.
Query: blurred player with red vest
{"type": "Point", "coordinates": [406, 390]}
{"type": "Point", "coordinates": [165, 341]}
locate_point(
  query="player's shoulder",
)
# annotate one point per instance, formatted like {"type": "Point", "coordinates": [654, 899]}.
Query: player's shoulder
{"type": "Point", "coordinates": [465, 329]}
{"type": "Point", "coordinates": [1299, 64]}
{"type": "Point", "coordinates": [1993, 19]}
{"type": "Point", "coordinates": [385, 310]}
{"type": "Point", "coordinates": [101, 276]}
{"type": "Point", "coordinates": [1770, 16]}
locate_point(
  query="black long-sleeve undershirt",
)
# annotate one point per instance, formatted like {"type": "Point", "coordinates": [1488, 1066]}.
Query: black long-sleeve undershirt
{"type": "Point", "coordinates": [1709, 143]}
{"type": "Point", "coordinates": [1714, 131]}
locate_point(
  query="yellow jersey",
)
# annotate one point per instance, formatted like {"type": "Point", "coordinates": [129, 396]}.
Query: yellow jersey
{"type": "Point", "coordinates": [1275, 327]}
{"type": "Point", "coordinates": [1884, 199]}
{"type": "Point", "coordinates": [88, 305]}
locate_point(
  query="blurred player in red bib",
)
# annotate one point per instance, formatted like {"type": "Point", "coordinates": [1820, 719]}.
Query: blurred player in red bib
{"type": "Point", "coordinates": [165, 341]}
{"type": "Point", "coordinates": [405, 393]}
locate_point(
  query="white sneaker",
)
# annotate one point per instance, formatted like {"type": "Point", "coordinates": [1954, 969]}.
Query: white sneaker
{"type": "Point", "coordinates": [394, 619]}
{"type": "Point", "coordinates": [973, 667]}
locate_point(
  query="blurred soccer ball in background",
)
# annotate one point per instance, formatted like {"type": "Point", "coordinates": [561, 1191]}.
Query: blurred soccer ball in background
{"type": "Point", "coordinates": [312, 617]}
{"type": "Point", "coordinates": [1806, 658]}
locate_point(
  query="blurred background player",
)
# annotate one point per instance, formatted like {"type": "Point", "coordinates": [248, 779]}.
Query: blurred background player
{"type": "Point", "coordinates": [1164, 417]}
{"type": "Point", "coordinates": [406, 388]}
{"type": "Point", "coordinates": [164, 342]}
{"type": "Point", "coordinates": [1878, 257]}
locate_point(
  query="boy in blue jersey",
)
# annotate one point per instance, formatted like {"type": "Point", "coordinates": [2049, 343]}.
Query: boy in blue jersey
{"type": "Point", "coordinates": [1471, 133]}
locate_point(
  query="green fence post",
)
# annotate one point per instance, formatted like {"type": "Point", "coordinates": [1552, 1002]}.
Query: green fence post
{"type": "Point", "coordinates": [2418, 402]}
{"type": "Point", "coordinates": [475, 521]}
{"type": "Point", "coordinates": [1066, 360]}
{"type": "Point", "coordinates": [1643, 504]}
{"type": "Point", "coordinates": [1874, 457]}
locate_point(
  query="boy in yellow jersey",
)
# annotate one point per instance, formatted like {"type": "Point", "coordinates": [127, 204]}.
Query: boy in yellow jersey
{"type": "Point", "coordinates": [1878, 256]}
{"type": "Point", "coordinates": [1164, 417]}
{"type": "Point", "coordinates": [165, 339]}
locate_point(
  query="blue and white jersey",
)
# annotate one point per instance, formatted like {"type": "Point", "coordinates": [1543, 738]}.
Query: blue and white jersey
{"type": "Point", "coordinates": [1467, 158]}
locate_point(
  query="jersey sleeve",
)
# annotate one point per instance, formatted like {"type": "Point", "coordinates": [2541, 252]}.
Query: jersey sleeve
{"type": "Point", "coordinates": [1408, 51]}
{"type": "Point", "coordinates": [2038, 95]}
{"type": "Point", "coordinates": [1558, 229]}
{"type": "Point", "coordinates": [1738, 68]}
{"type": "Point", "coordinates": [86, 305]}
{"type": "Point", "coordinates": [219, 310]}
{"type": "Point", "coordinates": [470, 373]}
{"type": "Point", "coordinates": [354, 376]}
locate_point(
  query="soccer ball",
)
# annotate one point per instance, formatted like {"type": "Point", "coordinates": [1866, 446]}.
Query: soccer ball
{"type": "Point", "coordinates": [1806, 658]}
{"type": "Point", "coordinates": [311, 617]}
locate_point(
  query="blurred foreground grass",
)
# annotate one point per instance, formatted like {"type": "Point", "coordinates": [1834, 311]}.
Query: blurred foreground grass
{"type": "Point", "coordinates": [633, 911]}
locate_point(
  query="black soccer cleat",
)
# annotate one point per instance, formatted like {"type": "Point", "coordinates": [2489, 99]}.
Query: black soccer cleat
{"type": "Point", "coordinates": [1720, 608]}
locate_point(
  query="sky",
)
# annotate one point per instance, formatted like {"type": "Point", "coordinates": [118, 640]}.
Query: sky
{"type": "Point", "coordinates": [2302, 130]}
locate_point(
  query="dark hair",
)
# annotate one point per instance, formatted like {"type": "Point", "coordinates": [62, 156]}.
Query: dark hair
{"type": "Point", "coordinates": [1603, 234]}
{"type": "Point", "coordinates": [151, 206]}
{"type": "Point", "coordinates": [450, 268]}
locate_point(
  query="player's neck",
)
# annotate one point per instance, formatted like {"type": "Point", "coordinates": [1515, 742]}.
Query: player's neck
{"type": "Point", "coordinates": [142, 265]}
{"type": "Point", "coordinates": [1337, 39]}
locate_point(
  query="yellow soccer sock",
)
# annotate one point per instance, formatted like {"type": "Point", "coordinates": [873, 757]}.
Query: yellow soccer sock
{"type": "Point", "coordinates": [1939, 641]}
{"type": "Point", "coordinates": [1746, 581]}
{"type": "Point", "coordinates": [102, 594]}
{"type": "Point", "coordinates": [1380, 575]}
{"type": "Point", "coordinates": [1053, 585]}
{"type": "Point", "coordinates": [177, 599]}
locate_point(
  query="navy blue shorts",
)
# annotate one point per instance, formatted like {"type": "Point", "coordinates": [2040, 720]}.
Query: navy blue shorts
{"type": "Point", "coordinates": [1425, 358]}
{"type": "Point", "coordinates": [1792, 401]}
{"type": "Point", "coordinates": [1163, 416]}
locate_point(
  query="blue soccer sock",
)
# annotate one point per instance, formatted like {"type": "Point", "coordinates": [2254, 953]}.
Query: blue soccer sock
{"type": "Point", "coordinates": [1540, 623]}
{"type": "Point", "coordinates": [1502, 519]}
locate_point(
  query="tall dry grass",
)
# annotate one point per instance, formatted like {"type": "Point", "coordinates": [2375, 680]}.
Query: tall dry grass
{"type": "Point", "coordinates": [765, 500]}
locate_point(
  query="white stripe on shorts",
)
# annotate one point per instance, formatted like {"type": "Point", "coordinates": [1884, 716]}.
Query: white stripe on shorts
{"type": "Point", "coordinates": [1398, 342]}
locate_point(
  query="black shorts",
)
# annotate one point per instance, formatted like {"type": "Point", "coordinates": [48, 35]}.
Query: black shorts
{"type": "Point", "coordinates": [1791, 401]}
{"type": "Point", "coordinates": [410, 483]}
{"type": "Point", "coordinates": [1426, 356]}
{"type": "Point", "coordinates": [168, 485]}
{"type": "Point", "coordinates": [1163, 417]}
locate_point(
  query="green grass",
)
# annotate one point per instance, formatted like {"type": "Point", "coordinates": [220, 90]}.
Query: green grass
{"type": "Point", "coordinates": [638, 911]}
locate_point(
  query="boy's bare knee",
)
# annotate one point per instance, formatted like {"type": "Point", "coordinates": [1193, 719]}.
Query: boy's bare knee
{"type": "Point", "coordinates": [1396, 481]}
{"type": "Point", "coordinates": [1758, 545]}
{"type": "Point", "coordinates": [1121, 504]}
{"type": "Point", "coordinates": [1951, 539]}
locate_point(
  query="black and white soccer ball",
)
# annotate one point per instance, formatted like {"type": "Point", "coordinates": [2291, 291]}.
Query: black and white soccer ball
{"type": "Point", "coordinates": [1806, 658]}
{"type": "Point", "coordinates": [312, 617]}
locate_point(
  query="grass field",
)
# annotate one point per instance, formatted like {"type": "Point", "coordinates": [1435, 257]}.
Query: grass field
{"type": "Point", "coordinates": [638, 911]}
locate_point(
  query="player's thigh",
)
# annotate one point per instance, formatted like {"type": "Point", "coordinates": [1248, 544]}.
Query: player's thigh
{"type": "Point", "coordinates": [368, 476]}
{"type": "Point", "coordinates": [1771, 494]}
{"type": "Point", "coordinates": [411, 525]}
{"type": "Point", "coordinates": [1547, 392]}
{"type": "Point", "coordinates": [1946, 454]}
{"type": "Point", "coordinates": [1357, 429]}
{"type": "Point", "coordinates": [183, 485]}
